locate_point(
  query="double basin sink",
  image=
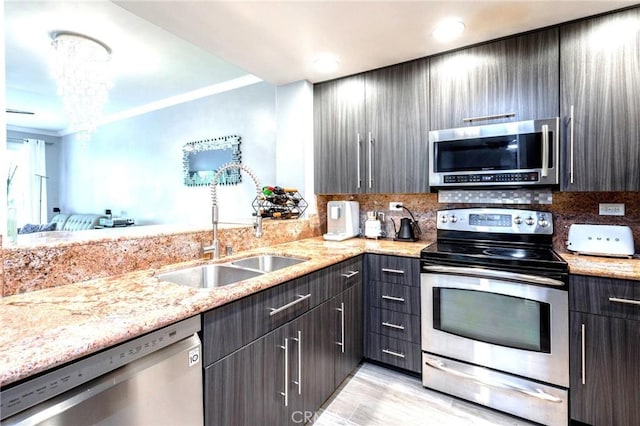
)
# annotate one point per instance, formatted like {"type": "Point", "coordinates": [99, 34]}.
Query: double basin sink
{"type": "Point", "coordinates": [218, 275]}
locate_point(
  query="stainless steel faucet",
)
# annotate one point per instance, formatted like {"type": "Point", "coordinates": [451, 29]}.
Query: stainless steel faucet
{"type": "Point", "coordinates": [257, 226]}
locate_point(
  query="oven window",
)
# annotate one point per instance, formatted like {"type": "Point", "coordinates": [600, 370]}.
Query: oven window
{"type": "Point", "coordinates": [511, 152]}
{"type": "Point", "coordinates": [493, 318]}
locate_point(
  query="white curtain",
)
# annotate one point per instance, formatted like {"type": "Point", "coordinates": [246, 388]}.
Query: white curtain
{"type": "Point", "coordinates": [36, 198]}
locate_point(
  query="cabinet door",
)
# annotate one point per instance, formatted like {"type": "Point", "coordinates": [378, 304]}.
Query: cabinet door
{"type": "Point", "coordinates": [601, 81]}
{"type": "Point", "coordinates": [397, 128]}
{"type": "Point", "coordinates": [516, 75]}
{"type": "Point", "coordinates": [339, 118]}
{"type": "Point", "coordinates": [349, 332]}
{"type": "Point", "coordinates": [234, 386]}
{"type": "Point", "coordinates": [604, 391]}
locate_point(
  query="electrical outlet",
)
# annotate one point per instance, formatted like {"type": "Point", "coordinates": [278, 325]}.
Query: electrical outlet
{"type": "Point", "coordinates": [393, 206]}
{"type": "Point", "coordinates": [612, 209]}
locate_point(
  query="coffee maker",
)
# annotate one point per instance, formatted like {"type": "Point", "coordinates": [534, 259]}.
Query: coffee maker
{"type": "Point", "coordinates": [343, 220]}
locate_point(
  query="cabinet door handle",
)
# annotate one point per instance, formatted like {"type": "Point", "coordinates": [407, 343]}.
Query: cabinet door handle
{"type": "Point", "coordinates": [285, 394]}
{"type": "Point", "coordinates": [625, 301]}
{"type": "Point", "coordinates": [392, 353]}
{"type": "Point", "coordinates": [341, 342]}
{"type": "Point", "coordinates": [583, 355]}
{"type": "Point", "coordinates": [358, 160]}
{"type": "Point", "coordinates": [395, 299]}
{"type": "Point", "coordinates": [571, 143]}
{"type": "Point", "coordinates": [299, 381]}
{"type": "Point", "coordinates": [350, 274]}
{"type": "Point", "coordinates": [489, 117]}
{"type": "Point", "coordinates": [396, 326]}
{"type": "Point", "coordinates": [545, 151]}
{"type": "Point", "coordinates": [393, 271]}
{"type": "Point", "coordinates": [288, 305]}
{"type": "Point", "coordinates": [370, 161]}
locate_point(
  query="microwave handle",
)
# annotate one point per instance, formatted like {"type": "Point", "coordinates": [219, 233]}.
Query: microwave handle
{"type": "Point", "coordinates": [545, 151]}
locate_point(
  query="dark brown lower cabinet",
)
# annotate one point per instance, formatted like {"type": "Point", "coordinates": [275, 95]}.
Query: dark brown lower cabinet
{"type": "Point", "coordinates": [604, 351]}
{"type": "Point", "coordinates": [348, 332]}
{"type": "Point", "coordinates": [605, 390]}
{"type": "Point", "coordinates": [283, 377]}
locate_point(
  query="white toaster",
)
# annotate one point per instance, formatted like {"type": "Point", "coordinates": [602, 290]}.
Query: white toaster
{"type": "Point", "coordinates": [601, 240]}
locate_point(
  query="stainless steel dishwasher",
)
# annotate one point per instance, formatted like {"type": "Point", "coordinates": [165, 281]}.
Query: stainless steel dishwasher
{"type": "Point", "coordinates": [155, 379]}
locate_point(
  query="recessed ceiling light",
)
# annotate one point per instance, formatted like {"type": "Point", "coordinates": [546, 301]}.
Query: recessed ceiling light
{"type": "Point", "coordinates": [325, 63]}
{"type": "Point", "coordinates": [448, 30]}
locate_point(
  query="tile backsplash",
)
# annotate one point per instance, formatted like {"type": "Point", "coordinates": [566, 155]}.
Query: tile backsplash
{"type": "Point", "coordinates": [567, 208]}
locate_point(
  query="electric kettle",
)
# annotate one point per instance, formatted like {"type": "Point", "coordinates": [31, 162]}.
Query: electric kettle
{"type": "Point", "coordinates": [408, 229]}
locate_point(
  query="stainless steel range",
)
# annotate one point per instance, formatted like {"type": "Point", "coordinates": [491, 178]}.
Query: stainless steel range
{"type": "Point", "coordinates": [495, 312]}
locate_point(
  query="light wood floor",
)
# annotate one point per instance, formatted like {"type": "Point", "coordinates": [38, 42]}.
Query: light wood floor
{"type": "Point", "coordinates": [375, 395]}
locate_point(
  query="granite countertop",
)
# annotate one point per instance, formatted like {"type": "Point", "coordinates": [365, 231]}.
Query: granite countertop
{"type": "Point", "coordinates": [47, 328]}
{"type": "Point", "coordinates": [607, 267]}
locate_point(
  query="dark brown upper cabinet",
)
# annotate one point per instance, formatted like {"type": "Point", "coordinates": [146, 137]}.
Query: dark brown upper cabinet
{"type": "Point", "coordinates": [600, 87]}
{"type": "Point", "coordinates": [370, 131]}
{"type": "Point", "coordinates": [518, 76]}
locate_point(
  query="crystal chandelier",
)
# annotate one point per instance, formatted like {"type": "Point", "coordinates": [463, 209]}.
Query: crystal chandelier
{"type": "Point", "coordinates": [82, 71]}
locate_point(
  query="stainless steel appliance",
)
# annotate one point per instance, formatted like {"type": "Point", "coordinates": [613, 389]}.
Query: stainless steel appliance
{"type": "Point", "coordinates": [343, 220]}
{"type": "Point", "coordinates": [495, 312]}
{"type": "Point", "coordinates": [155, 379]}
{"type": "Point", "coordinates": [504, 154]}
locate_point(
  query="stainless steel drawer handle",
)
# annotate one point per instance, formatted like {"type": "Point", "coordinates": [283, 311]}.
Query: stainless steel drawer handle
{"type": "Point", "coordinates": [392, 353]}
{"type": "Point", "coordinates": [625, 301]}
{"type": "Point", "coordinates": [341, 342]}
{"type": "Point", "coordinates": [298, 382]}
{"type": "Point", "coordinates": [396, 326]}
{"type": "Point", "coordinates": [350, 274]}
{"type": "Point", "coordinates": [392, 271]}
{"type": "Point", "coordinates": [536, 393]}
{"type": "Point", "coordinates": [288, 305]}
{"type": "Point", "coordinates": [395, 299]}
{"type": "Point", "coordinates": [489, 117]}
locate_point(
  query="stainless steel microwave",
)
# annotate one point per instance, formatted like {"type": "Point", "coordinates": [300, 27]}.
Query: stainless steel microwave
{"type": "Point", "coordinates": [505, 154]}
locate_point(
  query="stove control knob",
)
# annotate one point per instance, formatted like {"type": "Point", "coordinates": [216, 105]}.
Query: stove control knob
{"type": "Point", "coordinates": [444, 219]}
{"type": "Point", "coordinates": [517, 220]}
{"type": "Point", "coordinates": [543, 222]}
{"type": "Point", "coordinates": [530, 221]}
{"type": "Point", "coordinates": [453, 219]}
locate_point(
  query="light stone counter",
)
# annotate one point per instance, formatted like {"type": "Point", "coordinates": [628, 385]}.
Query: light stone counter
{"type": "Point", "coordinates": [46, 328]}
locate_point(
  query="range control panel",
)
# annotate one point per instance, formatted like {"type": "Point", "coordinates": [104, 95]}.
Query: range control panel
{"type": "Point", "coordinates": [493, 177]}
{"type": "Point", "coordinates": [499, 220]}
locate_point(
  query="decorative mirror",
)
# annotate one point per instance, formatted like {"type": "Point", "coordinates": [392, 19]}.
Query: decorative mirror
{"type": "Point", "coordinates": [202, 159]}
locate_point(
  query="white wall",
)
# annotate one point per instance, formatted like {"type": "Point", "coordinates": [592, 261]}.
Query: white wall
{"type": "Point", "coordinates": [294, 152]}
{"type": "Point", "coordinates": [134, 166]}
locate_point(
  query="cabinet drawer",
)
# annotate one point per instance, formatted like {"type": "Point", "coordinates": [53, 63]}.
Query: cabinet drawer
{"type": "Point", "coordinates": [394, 324]}
{"type": "Point", "coordinates": [605, 296]}
{"type": "Point", "coordinates": [394, 297]}
{"type": "Point", "coordinates": [229, 327]}
{"type": "Point", "coordinates": [333, 280]}
{"type": "Point", "coordinates": [399, 353]}
{"type": "Point", "coordinates": [394, 269]}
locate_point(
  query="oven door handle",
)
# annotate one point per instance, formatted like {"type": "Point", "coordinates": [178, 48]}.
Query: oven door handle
{"type": "Point", "coordinates": [535, 393]}
{"type": "Point", "coordinates": [490, 273]}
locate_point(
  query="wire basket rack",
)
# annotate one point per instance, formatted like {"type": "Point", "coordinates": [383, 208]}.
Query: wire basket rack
{"type": "Point", "coordinates": [279, 203]}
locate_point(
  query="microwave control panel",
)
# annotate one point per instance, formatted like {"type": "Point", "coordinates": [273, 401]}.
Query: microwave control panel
{"type": "Point", "coordinates": [493, 177]}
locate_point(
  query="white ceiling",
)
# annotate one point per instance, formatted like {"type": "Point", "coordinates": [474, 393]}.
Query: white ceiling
{"type": "Point", "coordinates": [165, 48]}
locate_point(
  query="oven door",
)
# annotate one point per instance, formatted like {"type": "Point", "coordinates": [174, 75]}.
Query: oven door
{"type": "Point", "coordinates": [511, 326]}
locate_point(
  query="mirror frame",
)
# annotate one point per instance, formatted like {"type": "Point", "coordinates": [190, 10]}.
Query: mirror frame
{"type": "Point", "coordinates": [231, 177]}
